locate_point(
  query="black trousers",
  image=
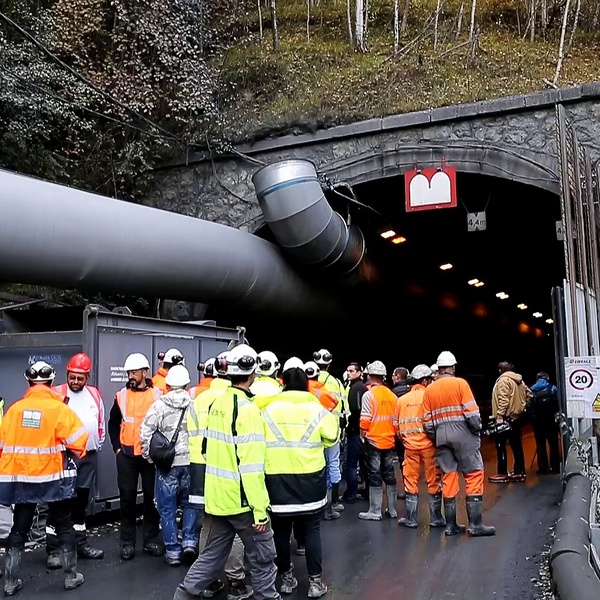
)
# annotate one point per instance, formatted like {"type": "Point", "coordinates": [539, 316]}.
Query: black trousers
{"type": "Point", "coordinates": [380, 465]}
{"type": "Point", "coordinates": [514, 438]}
{"type": "Point", "coordinates": [546, 429]}
{"type": "Point", "coordinates": [129, 470]}
{"type": "Point", "coordinates": [59, 512]}
{"type": "Point", "coordinates": [308, 527]}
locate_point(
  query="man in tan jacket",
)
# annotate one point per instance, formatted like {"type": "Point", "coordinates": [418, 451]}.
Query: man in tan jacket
{"type": "Point", "coordinates": [509, 398]}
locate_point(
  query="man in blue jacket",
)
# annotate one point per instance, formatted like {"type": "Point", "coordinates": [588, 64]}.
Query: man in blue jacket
{"type": "Point", "coordinates": [544, 407]}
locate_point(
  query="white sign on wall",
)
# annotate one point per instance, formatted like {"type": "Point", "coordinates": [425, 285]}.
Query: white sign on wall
{"type": "Point", "coordinates": [582, 375]}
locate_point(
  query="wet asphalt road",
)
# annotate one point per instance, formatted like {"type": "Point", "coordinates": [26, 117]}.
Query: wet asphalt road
{"type": "Point", "coordinates": [365, 560]}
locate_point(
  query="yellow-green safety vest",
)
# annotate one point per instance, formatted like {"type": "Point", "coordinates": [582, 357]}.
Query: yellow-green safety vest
{"type": "Point", "coordinates": [264, 390]}
{"type": "Point", "coordinates": [335, 386]}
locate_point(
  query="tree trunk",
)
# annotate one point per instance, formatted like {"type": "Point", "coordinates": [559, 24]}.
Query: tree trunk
{"type": "Point", "coordinates": [561, 46]}
{"type": "Point", "coordinates": [461, 12]}
{"type": "Point", "coordinates": [396, 26]}
{"type": "Point", "coordinates": [472, 29]}
{"type": "Point", "coordinates": [349, 19]}
{"type": "Point", "coordinates": [575, 23]}
{"type": "Point", "coordinates": [436, 23]}
{"type": "Point", "coordinates": [405, 17]}
{"type": "Point", "coordinates": [308, 3]}
{"type": "Point", "coordinates": [532, 21]}
{"type": "Point", "coordinates": [596, 17]}
{"type": "Point", "coordinates": [544, 17]}
{"type": "Point", "coordinates": [260, 22]}
{"type": "Point", "coordinates": [360, 26]}
{"type": "Point", "coordinates": [273, 9]}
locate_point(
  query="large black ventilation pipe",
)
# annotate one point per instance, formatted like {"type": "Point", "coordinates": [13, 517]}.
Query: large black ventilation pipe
{"type": "Point", "coordinates": [63, 237]}
{"type": "Point", "coordinates": [303, 222]}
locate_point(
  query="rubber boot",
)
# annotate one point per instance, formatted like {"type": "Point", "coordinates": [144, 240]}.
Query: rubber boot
{"type": "Point", "coordinates": [391, 502]}
{"type": "Point", "coordinates": [316, 587]}
{"type": "Point", "coordinates": [375, 502]}
{"type": "Point", "coordinates": [450, 511]}
{"type": "Point", "coordinates": [335, 498]}
{"type": "Point", "coordinates": [68, 558]}
{"type": "Point", "coordinates": [411, 502]}
{"type": "Point", "coordinates": [12, 566]}
{"type": "Point", "coordinates": [330, 513]}
{"type": "Point", "coordinates": [436, 518]}
{"type": "Point", "coordinates": [474, 511]}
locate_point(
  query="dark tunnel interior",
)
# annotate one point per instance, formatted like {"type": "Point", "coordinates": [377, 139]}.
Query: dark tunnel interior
{"type": "Point", "coordinates": [415, 309]}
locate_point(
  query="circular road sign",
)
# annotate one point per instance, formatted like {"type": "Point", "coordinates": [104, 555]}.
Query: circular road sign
{"type": "Point", "coordinates": [581, 379]}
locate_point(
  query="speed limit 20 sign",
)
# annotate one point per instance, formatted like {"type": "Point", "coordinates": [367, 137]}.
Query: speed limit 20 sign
{"type": "Point", "coordinates": [582, 375]}
{"type": "Point", "coordinates": [581, 379]}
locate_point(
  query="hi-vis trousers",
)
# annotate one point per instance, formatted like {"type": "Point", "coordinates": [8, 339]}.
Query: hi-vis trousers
{"type": "Point", "coordinates": [411, 470]}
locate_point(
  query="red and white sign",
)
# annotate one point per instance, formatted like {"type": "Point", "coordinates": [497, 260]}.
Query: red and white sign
{"type": "Point", "coordinates": [426, 189]}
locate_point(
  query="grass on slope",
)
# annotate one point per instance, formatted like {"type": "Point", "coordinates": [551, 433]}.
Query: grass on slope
{"type": "Point", "coordinates": [323, 82]}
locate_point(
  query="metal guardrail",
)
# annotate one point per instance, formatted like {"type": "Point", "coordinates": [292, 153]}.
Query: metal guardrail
{"type": "Point", "coordinates": [573, 576]}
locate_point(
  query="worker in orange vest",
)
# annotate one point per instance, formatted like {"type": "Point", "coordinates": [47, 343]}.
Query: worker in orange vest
{"type": "Point", "coordinates": [124, 428]}
{"type": "Point", "coordinates": [88, 405]}
{"type": "Point", "coordinates": [207, 374]}
{"type": "Point", "coordinates": [379, 435]}
{"type": "Point", "coordinates": [418, 450]}
{"type": "Point", "coordinates": [171, 357]}
{"type": "Point", "coordinates": [35, 435]}
{"type": "Point", "coordinates": [452, 419]}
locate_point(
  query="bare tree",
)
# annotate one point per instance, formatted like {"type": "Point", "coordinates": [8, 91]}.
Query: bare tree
{"type": "Point", "coordinates": [436, 23]}
{"type": "Point", "coordinates": [461, 12]}
{"type": "Point", "coordinates": [561, 46]}
{"type": "Point", "coordinates": [575, 23]}
{"type": "Point", "coordinates": [472, 29]}
{"type": "Point", "coordinates": [349, 19]}
{"type": "Point", "coordinates": [405, 17]}
{"type": "Point", "coordinates": [361, 25]}
{"type": "Point", "coordinates": [273, 9]}
{"type": "Point", "coordinates": [596, 17]}
{"type": "Point", "coordinates": [396, 26]}
{"type": "Point", "coordinates": [532, 16]}
{"type": "Point", "coordinates": [308, 5]}
{"type": "Point", "coordinates": [260, 22]}
{"type": "Point", "coordinates": [544, 16]}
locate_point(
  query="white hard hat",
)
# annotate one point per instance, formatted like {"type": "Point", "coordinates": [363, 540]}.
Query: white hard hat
{"type": "Point", "coordinates": [174, 357]}
{"type": "Point", "coordinates": [268, 363]}
{"type": "Point", "coordinates": [322, 357]}
{"type": "Point", "coordinates": [421, 371]}
{"type": "Point", "coordinates": [40, 372]}
{"type": "Point", "coordinates": [293, 363]}
{"type": "Point", "coordinates": [207, 367]}
{"type": "Point", "coordinates": [434, 368]}
{"type": "Point", "coordinates": [136, 361]}
{"type": "Point", "coordinates": [376, 368]}
{"type": "Point", "coordinates": [178, 377]}
{"type": "Point", "coordinates": [446, 359]}
{"type": "Point", "coordinates": [241, 360]}
{"type": "Point", "coordinates": [311, 369]}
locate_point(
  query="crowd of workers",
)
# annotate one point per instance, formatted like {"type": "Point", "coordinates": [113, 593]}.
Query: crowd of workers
{"type": "Point", "coordinates": [250, 457]}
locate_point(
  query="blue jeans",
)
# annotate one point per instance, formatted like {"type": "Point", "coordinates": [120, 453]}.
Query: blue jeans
{"type": "Point", "coordinates": [354, 450]}
{"type": "Point", "coordinates": [173, 490]}
{"type": "Point", "coordinates": [332, 458]}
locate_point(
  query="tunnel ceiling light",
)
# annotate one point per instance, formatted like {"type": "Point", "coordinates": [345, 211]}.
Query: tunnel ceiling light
{"type": "Point", "coordinates": [549, 321]}
{"type": "Point", "coordinates": [479, 284]}
{"type": "Point", "coordinates": [502, 295]}
{"type": "Point", "coordinates": [473, 281]}
{"type": "Point", "coordinates": [398, 240]}
{"type": "Point", "coordinates": [446, 266]}
{"type": "Point", "coordinates": [522, 306]}
{"type": "Point", "coordinates": [537, 315]}
{"type": "Point", "coordinates": [389, 233]}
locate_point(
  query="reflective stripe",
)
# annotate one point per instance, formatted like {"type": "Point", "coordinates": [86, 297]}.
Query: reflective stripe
{"type": "Point", "coordinates": [78, 527]}
{"type": "Point", "coordinates": [284, 444]}
{"type": "Point", "coordinates": [197, 433]}
{"type": "Point", "coordinates": [383, 419]}
{"type": "Point", "coordinates": [223, 473]}
{"type": "Point", "coordinates": [252, 468]}
{"type": "Point", "coordinates": [70, 473]}
{"type": "Point", "coordinates": [450, 419]}
{"type": "Point", "coordinates": [446, 409]}
{"type": "Point", "coordinates": [33, 450]}
{"type": "Point", "coordinates": [410, 420]}
{"type": "Point", "coordinates": [471, 403]}
{"type": "Point", "coordinates": [413, 430]}
{"type": "Point", "coordinates": [75, 436]}
{"type": "Point", "coordinates": [293, 508]}
{"type": "Point", "coordinates": [50, 530]}
{"type": "Point", "coordinates": [231, 439]}
{"type": "Point", "coordinates": [303, 442]}
{"type": "Point", "coordinates": [192, 413]}
{"type": "Point", "coordinates": [196, 499]}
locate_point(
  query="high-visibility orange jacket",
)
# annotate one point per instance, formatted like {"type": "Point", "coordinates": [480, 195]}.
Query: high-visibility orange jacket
{"type": "Point", "coordinates": [35, 434]}
{"type": "Point", "coordinates": [327, 399]}
{"type": "Point", "coordinates": [377, 416]}
{"type": "Point", "coordinates": [134, 405]}
{"type": "Point", "coordinates": [202, 386]}
{"type": "Point", "coordinates": [408, 419]}
{"type": "Point", "coordinates": [158, 380]}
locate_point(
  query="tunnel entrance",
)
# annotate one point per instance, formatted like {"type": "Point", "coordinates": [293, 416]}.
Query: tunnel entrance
{"type": "Point", "coordinates": [415, 309]}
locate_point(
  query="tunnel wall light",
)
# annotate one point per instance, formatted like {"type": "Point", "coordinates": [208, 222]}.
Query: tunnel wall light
{"type": "Point", "coordinates": [398, 240]}
{"type": "Point", "coordinates": [387, 234]}
{"type": "Point", "coordinates": [522, 306]}
{"type": "Point", "coordinates": [473, 281]}
{"type": "Point", "coordinates": [502, 295]}
{"type": "Point", "coordinates": [446, 266]}
{"type": "Point", "coordinates": [537, 315]}
{"type": "Point", "coordinates": [550, 321]}
{"type": "Point", "coordinates": [479, 284]}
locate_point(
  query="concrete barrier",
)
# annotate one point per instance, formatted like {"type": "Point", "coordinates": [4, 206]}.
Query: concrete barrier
{"type": "Point", "coordinates": [572, 573]}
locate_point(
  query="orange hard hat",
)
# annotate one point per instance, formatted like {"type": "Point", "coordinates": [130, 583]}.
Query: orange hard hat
{"type": "Point", "coordinates": [80, 363]}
